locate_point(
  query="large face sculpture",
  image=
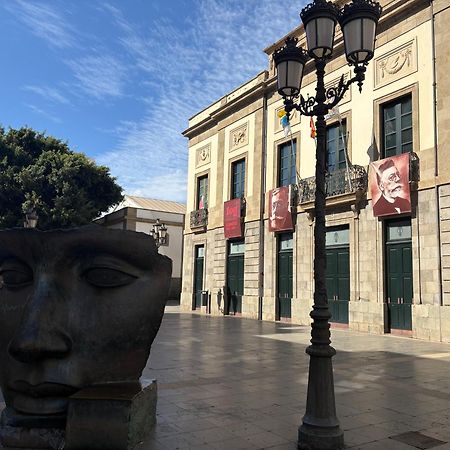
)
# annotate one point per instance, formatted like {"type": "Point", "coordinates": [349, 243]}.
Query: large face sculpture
{"type": "Point", "coordinates": [77, 308]}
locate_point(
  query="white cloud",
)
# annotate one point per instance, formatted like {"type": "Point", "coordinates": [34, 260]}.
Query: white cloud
{"type": "Point", "coordinates": [169, 186]}
{"type": "Point", "coordinates": [99, 75]}
{"type": "Point", "coordinates": [213, 53]}
{"type": "Point", "coordinates": [48, 93]}
{"type": "Point", "coordinates": [41, 112]}
{"type": "Point", "coordinates": [44, 21]}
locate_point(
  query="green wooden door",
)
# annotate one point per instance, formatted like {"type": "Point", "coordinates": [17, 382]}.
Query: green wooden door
{"type": "Point", "coordinates": [235, 277]}
{"type": "Point", "coordinates": [284, 276]}
{"type": "Point", "coordinates": [338, 283]}
{"type": "Point", "coordinates": [198, 275]}
{"type": "Point", "coordinates": [338, 273]}
{"type": "Point", "coordinates": [399, 280]}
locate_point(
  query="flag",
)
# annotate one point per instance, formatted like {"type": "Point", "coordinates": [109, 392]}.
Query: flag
{"type": "Point", "coordinates": [201, 203]}
{"type": "Point", "coordinates": [284, 121]}
{"type": "Point", "coordinates": [313, 128]}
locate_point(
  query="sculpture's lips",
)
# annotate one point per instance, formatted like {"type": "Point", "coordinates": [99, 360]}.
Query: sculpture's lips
{"type": "Point", "coordinates": [44, 398]}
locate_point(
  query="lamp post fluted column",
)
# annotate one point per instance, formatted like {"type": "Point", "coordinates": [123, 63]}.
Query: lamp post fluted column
{"type": "Point", "coordinates": [320, 427]}
{"type": "Point", "coordinates": [320, 423]}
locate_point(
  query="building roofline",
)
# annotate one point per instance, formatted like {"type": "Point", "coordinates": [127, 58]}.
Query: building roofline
{"type": "Point", "coordinates": [390, 8]}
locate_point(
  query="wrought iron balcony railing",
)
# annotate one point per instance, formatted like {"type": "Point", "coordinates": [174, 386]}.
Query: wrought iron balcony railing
{"type": "Point", "coordinates": [351, 180]}
{"type": "Point", "coordinates": [199, 218]}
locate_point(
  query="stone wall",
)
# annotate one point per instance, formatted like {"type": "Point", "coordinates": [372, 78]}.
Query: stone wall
{"type": "Point", "coordinates": [251, 270]}
{"type": "Point", "coordinates": [216, 267]}
{"type": "Point", "coordinates": [187, 284]}
{"type": "Point", "coordinates": [303, 262]}
{"type": "Point", "coordinates": [442, 33]}
{"type": "Point", "coordinates": [366, 316]}
{"type": "Point", "coordinates": [444, 204]}
{"type": "Point", "coordinates": [426, 250]}
{"type": "Point", "coordinates": [270, 284]}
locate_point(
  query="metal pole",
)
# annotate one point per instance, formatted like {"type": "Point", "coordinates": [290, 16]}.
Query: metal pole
{"type": "Point", "coordinates": [320, 428]}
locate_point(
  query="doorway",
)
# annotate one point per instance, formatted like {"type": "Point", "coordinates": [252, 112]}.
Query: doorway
{"type": "Point", "coordinates": [284, 276]}
{"type": "Point", "coordinates": [198, 275]}
{"type": "Point", "coordinates": [235, 277]}
{"type": "Point", "coordinates": [399, 279]}
{"type": "Point", "coordinates": [338, 273]}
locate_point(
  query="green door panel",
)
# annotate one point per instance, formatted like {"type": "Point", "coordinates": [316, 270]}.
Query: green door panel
{"type": "Point", "coordinates": [338, 283]}
{"type": "Point", "coordinates": [198, 281]}
{"type": "Point", "coordinates": [235, 283]}
{"type": "Point", "coordinates": [399, 285]}
{"type": "Point", "coordinates": [343, 256]}
{"type": "Point", "coordinates": [284, 294]}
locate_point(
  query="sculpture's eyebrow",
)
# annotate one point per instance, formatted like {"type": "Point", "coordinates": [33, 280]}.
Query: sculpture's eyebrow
{"type": "Point", "coordinates": [32, 247]}
{"type": "Point", "coordinates": [106, 260]}
{"type": "Point", "coordinates": [137, 256]}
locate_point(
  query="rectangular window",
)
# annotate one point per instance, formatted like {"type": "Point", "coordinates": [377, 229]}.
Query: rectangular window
{"type": "Point", "coordinates": [397, 230]}
{"type": "Point", "coordinates": [397, 127]}
{"type": "Point", "coordinates": [336, 143]}
{"type": "Point", "coordinates": [200, 251]}
{"type": "Point", "coordinates": [337, 236]}
{"type": "Point", "coordinates": [238, 179]}
{"type": "Point", "coordinates": [286, 241]}
{"type": "Point", "coordinates": [287, 173]}
{"type": "Point", "coordinates": [202, 192]}
{"type": "Point", "coordinates": [237, 248]}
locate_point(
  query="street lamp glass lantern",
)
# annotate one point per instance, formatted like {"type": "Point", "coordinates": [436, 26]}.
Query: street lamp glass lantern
{"type": "Point", "coordinates": [319, 19]}
{"type": "Point", "coordinates": [358, 22]}
{"type": "Point", "coordinates": [290, 62]}
{"type": "Point", "coordinates": [163, 232]}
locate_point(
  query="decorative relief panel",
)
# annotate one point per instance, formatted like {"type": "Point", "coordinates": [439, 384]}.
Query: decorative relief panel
{"type": "Point", "coordinates": [295, 119]}
{"type": "Point", "coordinates": [239, 137]}
{"type": "Point", "coordinates": [348, 95]}
{"type": "Point", "coordinates": [396, 64]}
{"type": "Point", "coordinates": [203, 156]}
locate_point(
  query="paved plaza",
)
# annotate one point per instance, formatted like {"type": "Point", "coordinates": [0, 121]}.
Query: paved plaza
{"type": "Point", "coordinates": [230, 383]}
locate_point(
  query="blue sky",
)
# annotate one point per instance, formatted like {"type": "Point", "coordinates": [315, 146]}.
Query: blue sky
{"type": "Point", "coordinates": [119, 79]}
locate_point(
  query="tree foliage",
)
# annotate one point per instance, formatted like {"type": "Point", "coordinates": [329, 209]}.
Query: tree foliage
{"type": "Point", "coordinates": [40, 172]}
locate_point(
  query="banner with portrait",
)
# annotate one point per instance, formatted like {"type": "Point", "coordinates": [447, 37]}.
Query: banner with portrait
{"type": "Point", "coordinates": [389, 186]}
{"type": "Point", "coordinates": [280, 215]}
{"type": "Point", "coordinates": [232, 218]}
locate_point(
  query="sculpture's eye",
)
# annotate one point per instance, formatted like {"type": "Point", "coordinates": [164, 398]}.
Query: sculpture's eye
{"type": "Point", "coordinates": [106, 277]}
{"type": "Point", "coordinates": [15, 277]}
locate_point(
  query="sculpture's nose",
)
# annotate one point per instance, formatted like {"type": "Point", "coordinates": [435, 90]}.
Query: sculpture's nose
{"type": "Point", "coordinates": [41, 334]}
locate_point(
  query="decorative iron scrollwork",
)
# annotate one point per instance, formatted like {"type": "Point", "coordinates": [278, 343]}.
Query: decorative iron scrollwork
{"type": "Point", "coordinates": [339, 182]}
{"type": "Point", "coordinates": [199, 218]}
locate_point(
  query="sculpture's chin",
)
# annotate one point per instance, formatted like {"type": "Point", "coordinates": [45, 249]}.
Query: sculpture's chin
{"type": "Point", "coordinates": [10, 417]}
{"type": "Point", "coordinates": [25, 431]}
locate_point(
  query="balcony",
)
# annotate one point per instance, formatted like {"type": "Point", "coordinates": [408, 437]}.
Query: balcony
{"type": "Point", "coordinates": [343, 186]}
{"type": "Point", "coordinates": [199, 219]}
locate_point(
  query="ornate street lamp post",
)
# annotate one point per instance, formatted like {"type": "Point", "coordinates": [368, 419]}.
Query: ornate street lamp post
{"type": "Point", "coordinates": [159, 233]}
{"type": "Point", "coordinates": [358, 20]}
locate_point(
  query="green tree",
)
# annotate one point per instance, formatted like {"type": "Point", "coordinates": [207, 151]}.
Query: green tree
{"type": "Point", "coordinates": [65, 188]}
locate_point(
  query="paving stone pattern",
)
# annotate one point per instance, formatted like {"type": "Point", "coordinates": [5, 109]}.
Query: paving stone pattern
{"type": "Point", "coordinates": [227, 383]}
{"type": "Point", "coordinates": [231, 383]}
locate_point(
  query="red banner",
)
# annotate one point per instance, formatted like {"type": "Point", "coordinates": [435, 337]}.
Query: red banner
{"type": "Point", "coordinates": [389, 186]}
{"type": "Point", "coordinates": [280, 216]}
{"type": "Point", "coordinates": [232, 218]}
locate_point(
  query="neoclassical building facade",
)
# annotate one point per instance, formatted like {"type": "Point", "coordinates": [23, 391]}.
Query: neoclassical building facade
{"type": "Point", "coordinates": [388, 271]}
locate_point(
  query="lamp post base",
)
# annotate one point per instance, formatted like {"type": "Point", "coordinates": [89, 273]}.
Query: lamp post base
{"type": "Point", "coordinates": [320, 429]}
{"type": "Point", "coordinates": [320, 438]}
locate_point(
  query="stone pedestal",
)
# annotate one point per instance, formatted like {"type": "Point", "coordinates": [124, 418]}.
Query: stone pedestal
{"type": "Point", "coordinates": [113, 417]}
